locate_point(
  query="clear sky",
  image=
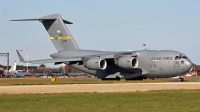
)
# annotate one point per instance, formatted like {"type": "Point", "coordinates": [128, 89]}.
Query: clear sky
{"type": "Point", "coordinates": [102, 25]}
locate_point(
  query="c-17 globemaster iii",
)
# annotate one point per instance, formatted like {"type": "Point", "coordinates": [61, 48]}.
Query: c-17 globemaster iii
{"type": "Point", "coordinates": [129, 65]}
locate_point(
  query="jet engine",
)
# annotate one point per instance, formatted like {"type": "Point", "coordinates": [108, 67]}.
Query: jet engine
{"type": "Point", "coordinates": [127, 62]}
{"type": "Point", "coordinates": [95, 64]}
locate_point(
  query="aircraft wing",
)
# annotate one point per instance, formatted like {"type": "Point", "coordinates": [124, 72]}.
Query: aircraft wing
{"type": "Point", "coordinates": [53, 60]}
{"type": "Point", "coordinates": [60, 60]}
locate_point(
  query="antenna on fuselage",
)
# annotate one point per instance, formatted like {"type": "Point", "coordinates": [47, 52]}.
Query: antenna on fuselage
{"type": "Point", "coordinates": [144, 46]}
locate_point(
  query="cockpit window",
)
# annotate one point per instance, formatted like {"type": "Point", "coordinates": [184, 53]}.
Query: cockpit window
{"type": "Point", "coordinates": [176, 58]}
{"type": "Point", "coordinates": [179, 57]}
{"type": "Point", "coordinates": [185, 57]}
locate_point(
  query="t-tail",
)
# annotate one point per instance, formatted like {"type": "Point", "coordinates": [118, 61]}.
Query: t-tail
{"type": "Point", "coordinates": [20, 57]}
{"type": "Point", "coordinates": [58, 32]}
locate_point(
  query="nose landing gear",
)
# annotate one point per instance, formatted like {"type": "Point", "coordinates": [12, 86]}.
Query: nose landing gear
{"type": "Point", "coordinates": [180, 79]}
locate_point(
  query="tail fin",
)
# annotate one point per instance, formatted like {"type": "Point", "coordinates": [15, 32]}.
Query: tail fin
{"type": "Point", "coordinates": [58, 32]}
{"type": "Point", "coordinates": [20, 57]}
{"type": "Point", "coordinates": [13, 67]}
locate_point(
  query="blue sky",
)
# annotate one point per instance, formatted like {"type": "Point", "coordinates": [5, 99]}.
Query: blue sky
{"type": "Point", "coordinates": [103, 25]}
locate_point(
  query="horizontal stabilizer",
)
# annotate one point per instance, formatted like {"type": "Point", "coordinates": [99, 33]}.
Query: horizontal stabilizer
{"type": "Point", "coordinates": [64, 21]}
{"type": "Point", "coordinates": [31, 19]}
{"type": "Point", "coordinates": [67, 22]}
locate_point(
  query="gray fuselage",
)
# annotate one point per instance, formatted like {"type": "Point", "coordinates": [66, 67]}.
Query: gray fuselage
{"type": "Point", "coordinates": [151, 64]}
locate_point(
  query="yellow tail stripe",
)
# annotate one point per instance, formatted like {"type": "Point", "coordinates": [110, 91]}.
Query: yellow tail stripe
{"type": "Point", "coordinates": [51, 38]}
{"type": "Point", "coordinates": [63, 37]}
{"type": "Point", "coordinates": [59, 38]}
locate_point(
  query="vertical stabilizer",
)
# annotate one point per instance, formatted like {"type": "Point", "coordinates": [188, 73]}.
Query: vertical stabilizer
{"type": "Point", "coordinates": [20, 57]}
{"type": "Point", "coordinates": [58, 32]}
{"type": "Point", "coordinates": [13, 67]}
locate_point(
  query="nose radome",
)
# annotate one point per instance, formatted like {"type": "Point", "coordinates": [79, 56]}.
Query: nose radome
{"type": "Point", "coordinates": [188, 65]}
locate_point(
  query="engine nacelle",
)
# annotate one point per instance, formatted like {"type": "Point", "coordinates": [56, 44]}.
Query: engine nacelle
{"type": "Point", "coordinates": [127, 62]}
{"type": "Point", "coordinates": [96, 64]}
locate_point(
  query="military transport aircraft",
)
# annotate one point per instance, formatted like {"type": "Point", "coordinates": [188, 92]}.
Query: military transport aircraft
{"type": "Point", "coordinates": [129, 65]}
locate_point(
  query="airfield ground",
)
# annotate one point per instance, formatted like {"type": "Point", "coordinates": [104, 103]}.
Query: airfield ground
{"type": "Point", "coordinates": [117, 87]}
{"type": "Point", "coordinates": [81, 80]}
{"type": "Point", "coordinates": [41, 95]}
{"type": "Point", "coordinates": [67, 85]}
{"type": "Point", "coordinates": [149, 101]}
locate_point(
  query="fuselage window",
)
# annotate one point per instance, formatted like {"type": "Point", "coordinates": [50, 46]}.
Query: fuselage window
{"type": "Point", "coordinates": [182, 62]}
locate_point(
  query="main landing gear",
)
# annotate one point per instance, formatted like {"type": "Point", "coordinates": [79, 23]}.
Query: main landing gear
{"type": "Point", "coordinates": [180, 79]}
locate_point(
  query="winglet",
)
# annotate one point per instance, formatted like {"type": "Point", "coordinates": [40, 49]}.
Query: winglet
{"type": "Point", "coordinates": [20, 57]}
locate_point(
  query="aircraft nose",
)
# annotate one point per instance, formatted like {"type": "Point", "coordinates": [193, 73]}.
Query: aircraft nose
{"type": "Point", "coordinates": [189, 65]}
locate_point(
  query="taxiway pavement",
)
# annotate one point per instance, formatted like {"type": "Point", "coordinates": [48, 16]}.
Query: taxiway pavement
{"type": "Point", "coordinates": [118, 87]}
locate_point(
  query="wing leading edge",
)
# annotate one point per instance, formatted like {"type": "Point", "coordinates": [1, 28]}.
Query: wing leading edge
{"type": "Point", "coordinates": [54, 60]}
{"type": "Point", "coordinates": [69, 59]}
{"type": "Point", "coordinates": [47, 60]}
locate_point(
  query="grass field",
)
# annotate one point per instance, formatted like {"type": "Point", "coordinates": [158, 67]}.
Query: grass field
{"type": "Point", "coordinates": [47, 81]}
{"type": "Point", "coordinates": [150, 101]}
